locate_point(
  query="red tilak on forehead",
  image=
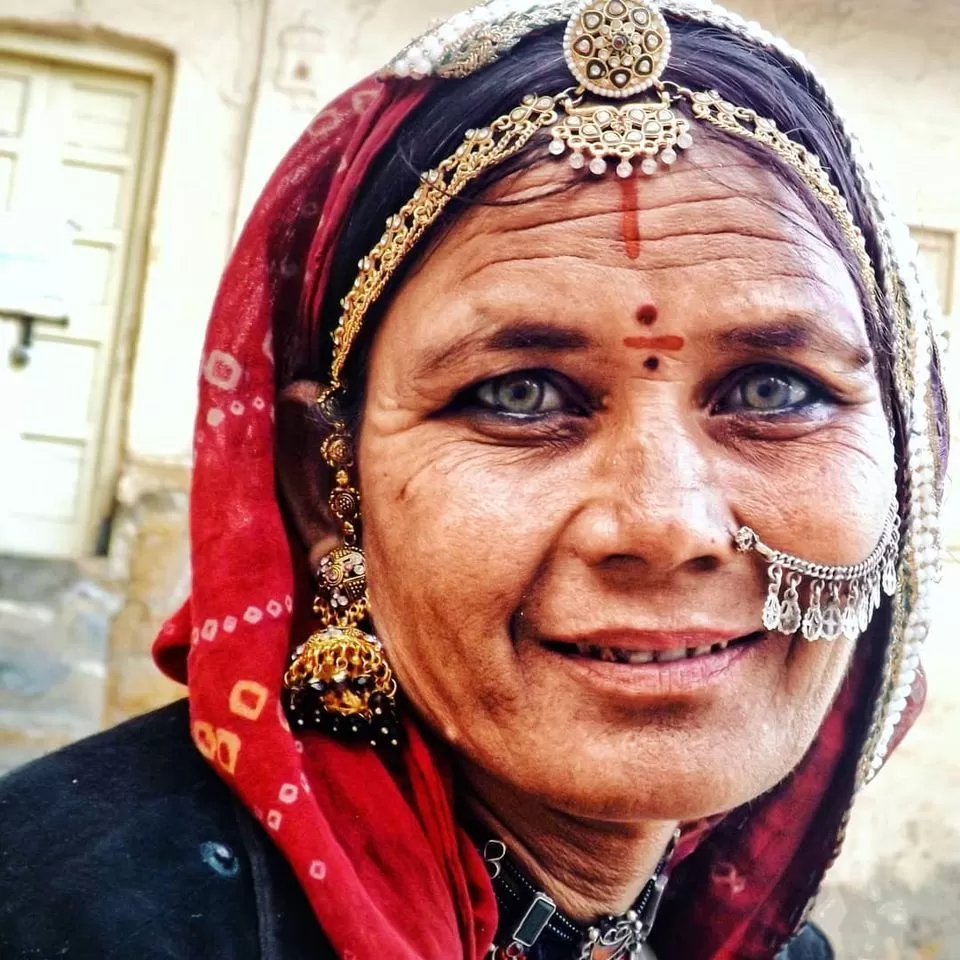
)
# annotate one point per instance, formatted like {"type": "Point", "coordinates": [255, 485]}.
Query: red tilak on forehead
{"type": "Point", "coordinates": [631, 217]}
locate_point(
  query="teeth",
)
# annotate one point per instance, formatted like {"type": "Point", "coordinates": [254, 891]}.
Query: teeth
{"type": "Point", "coordinates": [615, 655]}
{"type": "Point", "coordinates": [668, 656]}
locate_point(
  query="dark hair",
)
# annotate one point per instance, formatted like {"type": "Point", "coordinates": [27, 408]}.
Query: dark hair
{"type": "Point", "coordinates": [702, 57]}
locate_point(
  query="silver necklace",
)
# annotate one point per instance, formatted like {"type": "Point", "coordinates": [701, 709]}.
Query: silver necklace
{"type": "Point", "coordinates": [532, 917]}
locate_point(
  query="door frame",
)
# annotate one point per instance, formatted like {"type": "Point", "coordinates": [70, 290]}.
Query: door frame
{"type": "Point", "coordinates": [100, 50]}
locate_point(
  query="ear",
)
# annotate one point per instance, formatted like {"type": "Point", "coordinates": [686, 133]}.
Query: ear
{"type": "Point", "coordinates": [303, 477]}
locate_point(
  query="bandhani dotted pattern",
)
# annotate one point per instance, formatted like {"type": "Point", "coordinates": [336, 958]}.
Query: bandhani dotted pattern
{"type": "Point", "coordinates": [250, 596]}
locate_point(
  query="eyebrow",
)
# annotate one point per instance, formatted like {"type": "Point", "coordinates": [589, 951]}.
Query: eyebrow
{"type": "Point", "coordinates": [792, 335]}
{"type": "Point", "coordinates": [518, 336]}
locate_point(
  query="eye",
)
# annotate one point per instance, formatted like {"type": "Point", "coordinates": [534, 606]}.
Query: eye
{"type": "Point", "coordinates": [768, 390]}
{"type": "Point", "coordinates": [527, 394]}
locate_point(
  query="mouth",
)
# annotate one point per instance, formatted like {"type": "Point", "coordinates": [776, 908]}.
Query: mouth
{"type": "Point", "coordinates": [647, 669]}
{"type": "Point", "coordinates": [590, 651]}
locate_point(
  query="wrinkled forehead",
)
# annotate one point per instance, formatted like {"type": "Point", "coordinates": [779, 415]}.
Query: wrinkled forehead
{"type": "Point", "coordinates": [719, 219]}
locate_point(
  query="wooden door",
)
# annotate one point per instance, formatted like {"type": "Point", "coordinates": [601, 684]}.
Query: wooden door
{"type": "Point", "coordinates": [71, 151]}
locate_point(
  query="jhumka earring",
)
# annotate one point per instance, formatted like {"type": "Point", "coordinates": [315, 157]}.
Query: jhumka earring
{"type": "Point", "coordinates": [339, 681]}
{"type": "Point", "coordinates": [841, 601]}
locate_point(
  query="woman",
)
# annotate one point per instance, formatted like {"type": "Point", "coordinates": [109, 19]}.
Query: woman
{"type": "Point", "coordinates": [619, 477]}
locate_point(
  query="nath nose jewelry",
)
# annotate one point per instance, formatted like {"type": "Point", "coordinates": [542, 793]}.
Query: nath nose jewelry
{"type": "Point", "coordinates": [841, 600]}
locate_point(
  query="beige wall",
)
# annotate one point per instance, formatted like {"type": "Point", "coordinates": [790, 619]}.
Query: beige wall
{"type": "Point", "coordinates": [893, 68]}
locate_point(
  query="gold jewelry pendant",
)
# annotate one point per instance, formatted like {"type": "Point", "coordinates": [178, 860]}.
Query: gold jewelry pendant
{"type": "Point", "coordinates": [339, 681]}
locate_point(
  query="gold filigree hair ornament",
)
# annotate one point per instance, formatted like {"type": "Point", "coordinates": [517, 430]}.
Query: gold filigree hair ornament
{"type": "Point", "coordinates": [616, 50]}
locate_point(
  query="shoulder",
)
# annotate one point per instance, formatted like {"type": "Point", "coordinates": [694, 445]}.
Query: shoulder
{"type": "Point", "coordinates": [145, 756]}
{"type": "Point", "coordinates": [128, 845]}
{"type": "Point", "coordinates": [809, 944]}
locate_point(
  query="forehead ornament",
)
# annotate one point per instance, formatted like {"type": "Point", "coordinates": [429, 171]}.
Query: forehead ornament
{"type": "Point", "coordinates": [619, 112]}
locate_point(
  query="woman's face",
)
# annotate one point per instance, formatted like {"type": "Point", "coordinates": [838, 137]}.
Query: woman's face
{"type": "Point", "coordinates": [572, 404]}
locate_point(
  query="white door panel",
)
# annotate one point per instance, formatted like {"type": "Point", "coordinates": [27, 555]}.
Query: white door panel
{"type": "Point", "coordinates": [70, 151]}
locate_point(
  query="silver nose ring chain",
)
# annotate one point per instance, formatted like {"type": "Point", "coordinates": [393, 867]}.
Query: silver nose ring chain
{"type": "Point", "coordinates": [826, 602]}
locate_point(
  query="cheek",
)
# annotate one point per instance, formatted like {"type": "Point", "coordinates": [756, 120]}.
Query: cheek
{"type": "Point", "coordinates": [782, 489]}
{"type": "Point", "coordinates": [454, 506]}
{"type": "Point", "coordinates": [453, 536]}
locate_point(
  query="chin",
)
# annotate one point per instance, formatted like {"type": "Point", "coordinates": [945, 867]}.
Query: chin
{"type": "Point", "coordinates": [611, 741]}
{"type": "Point", "coordinates": [675, 775]}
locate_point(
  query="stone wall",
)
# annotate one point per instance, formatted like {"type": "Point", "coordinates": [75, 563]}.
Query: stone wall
{"type": "Point", "coordinates": [149, 555]}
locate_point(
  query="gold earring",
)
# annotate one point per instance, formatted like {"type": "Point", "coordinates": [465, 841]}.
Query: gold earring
{"type": "Point", "coordinates": [339, 681]}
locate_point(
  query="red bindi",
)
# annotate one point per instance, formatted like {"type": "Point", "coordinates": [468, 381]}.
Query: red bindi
{"type": "Point", "coordinates": [647, 314]}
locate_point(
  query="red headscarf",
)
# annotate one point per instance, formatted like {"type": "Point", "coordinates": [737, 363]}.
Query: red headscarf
{"type": "Point", "coordinates": [424, 894]}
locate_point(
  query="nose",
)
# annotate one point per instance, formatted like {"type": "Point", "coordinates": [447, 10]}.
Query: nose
{"type": "Point", "coordinates": [656, 500]}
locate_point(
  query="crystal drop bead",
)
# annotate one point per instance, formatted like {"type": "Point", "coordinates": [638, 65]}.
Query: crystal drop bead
{"type": "Point", "coordinates": [849, 625]}
{"type": "Point", "coordinates": [668, 156]}
{"type": "Point", "coordinates": [649, 166]}
{"type": "Point", "coordinates": [889, 581]}
{"type": "Point", "coordinates": [863, 611]}
{"type": "Point", "coordinates": [577, 161]}
{"type": "Point", "coordinates": [771, 613]}
{"type": "Point", "coordinates": [598, 166]}
{"type": "Point", "coordinates": [556, 147]}
{"type": "Point", "coordinates": [684, 141]}
{"type": "Point", "coordinates": [875, 592]}
{"type": "Point", "coordinates": [830, 626]}
{"type": "Point", "coordinates": [624, 169]}
{"type": "Point", "coordinates": [812, 622]}
{"type": "Point", "coordinates": [789, 617]}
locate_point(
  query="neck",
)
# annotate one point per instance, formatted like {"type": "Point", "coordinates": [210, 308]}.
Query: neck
{"type": "Point", "coordinates": [591, 868]}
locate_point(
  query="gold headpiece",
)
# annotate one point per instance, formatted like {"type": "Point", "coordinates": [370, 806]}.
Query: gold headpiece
{"type": "Point", "coordinates": [615, 49]}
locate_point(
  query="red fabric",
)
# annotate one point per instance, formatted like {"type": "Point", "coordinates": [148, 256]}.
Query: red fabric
{"type": "Point", "coordinates": [422, 893]}
{"type": "Point", "coordinates": [385, 866]}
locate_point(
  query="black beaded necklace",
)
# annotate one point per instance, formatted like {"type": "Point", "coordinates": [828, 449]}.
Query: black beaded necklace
{"type": "Point", "coordinates": [532, 927]}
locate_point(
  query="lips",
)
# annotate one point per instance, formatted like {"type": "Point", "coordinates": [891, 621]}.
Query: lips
{"type": "Point", "coordinates": [646, 667]}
